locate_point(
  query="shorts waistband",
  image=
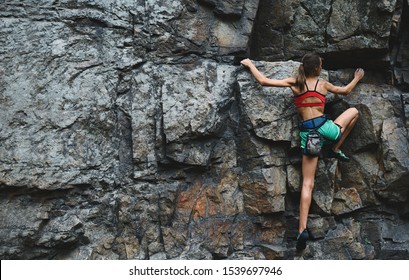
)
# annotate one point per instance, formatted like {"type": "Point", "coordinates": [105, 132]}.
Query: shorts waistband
{"type": "Point", "coordinates": [313, 123]}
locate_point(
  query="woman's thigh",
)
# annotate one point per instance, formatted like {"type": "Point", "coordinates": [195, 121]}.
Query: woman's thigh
{"type": "Point", "coordinates": [309, 166]}
{"type": "Point", "coordinates": [346, 118]}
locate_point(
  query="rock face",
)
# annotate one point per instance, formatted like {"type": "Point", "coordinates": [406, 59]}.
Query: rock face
{"type": "Point", "coordinates": [346, 32]}
{"type": "Point", "coordinates": [129, 131]}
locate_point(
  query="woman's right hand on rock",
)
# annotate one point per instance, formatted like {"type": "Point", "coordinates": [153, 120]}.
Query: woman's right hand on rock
{"type": "Point", "coordinates": [359, 73]}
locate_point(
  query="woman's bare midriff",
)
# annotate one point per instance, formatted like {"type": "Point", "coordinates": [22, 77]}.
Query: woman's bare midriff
{"type": "Point", "coordinates": [307, 113]}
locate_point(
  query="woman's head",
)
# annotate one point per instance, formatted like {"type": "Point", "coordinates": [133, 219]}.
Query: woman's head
{"type": "Point", "coordinates": [311, 63]}
{"type": "Point", "coordinates": [310, 67]}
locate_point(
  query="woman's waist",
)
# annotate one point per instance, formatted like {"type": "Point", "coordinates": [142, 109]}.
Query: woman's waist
{"type": "Point", "coordinates": [313, 123]}
{"type": "Point", "coordinates": [308, 113]}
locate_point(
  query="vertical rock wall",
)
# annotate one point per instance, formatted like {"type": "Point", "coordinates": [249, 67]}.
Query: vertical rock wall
{"type": "Point", "coordinates": [128, 131]}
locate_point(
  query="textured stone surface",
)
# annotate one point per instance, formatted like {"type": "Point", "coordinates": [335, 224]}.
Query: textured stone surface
{"type": "Point", "coordinates": [129, 131]}
{"type": "Point", "coordinates": [353, 30]}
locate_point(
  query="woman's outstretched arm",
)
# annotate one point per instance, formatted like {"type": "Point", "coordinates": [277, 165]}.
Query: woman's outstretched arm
{"type": "Point", "coordinates": [263, 80]}
{"type": "Point", "coordinates": [359, 74]}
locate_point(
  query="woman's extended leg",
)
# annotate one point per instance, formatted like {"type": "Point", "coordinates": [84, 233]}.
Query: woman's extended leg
{"type": "Point", "coordinates": [309, 166]}
{"type": "Point", "coordinates": [346, 120]}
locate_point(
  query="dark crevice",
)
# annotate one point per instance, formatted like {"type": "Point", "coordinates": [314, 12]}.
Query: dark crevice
{"type": "Point", "coordinates": [399, 46]}
{"type": "Point", "coordinates": [125, 149]}
{"type": "Point", "coordinates": [265, 37]}
{"type": "Point", "coordinates": [369, 59]}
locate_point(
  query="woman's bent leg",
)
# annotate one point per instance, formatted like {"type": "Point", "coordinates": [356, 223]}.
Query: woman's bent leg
{"type": "Point", "coordinates": [347, 121]}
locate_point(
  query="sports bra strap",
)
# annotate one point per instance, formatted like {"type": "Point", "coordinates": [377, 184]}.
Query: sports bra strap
{"type": "Point", "coordinates": [316, 84]}
{"type": "Point", "coordinates": [315, 88]}
{"type": "Point", "coordinates": [306, 85]}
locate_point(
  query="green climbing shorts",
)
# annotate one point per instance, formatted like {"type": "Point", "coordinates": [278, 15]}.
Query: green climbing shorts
{"type": "Point", "coordinates": [330, 132]}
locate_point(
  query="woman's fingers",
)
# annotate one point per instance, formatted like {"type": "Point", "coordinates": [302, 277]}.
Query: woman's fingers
{"type": "Point", "coordinates": [359, 73]}
{"type": "Point", "coordinates": [246, 62]}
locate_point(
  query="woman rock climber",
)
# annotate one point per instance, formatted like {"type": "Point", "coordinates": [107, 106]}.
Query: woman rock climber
{"type": "Point", "coordinates": [309, 99]}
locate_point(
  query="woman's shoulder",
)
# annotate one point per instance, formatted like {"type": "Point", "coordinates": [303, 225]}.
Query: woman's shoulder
{"type": "Point", "coordinates": [291, 80]}
{"type": "Point", "coordinates": [322, 86]}
{"type": "Point", "coordinates": [324, 82]}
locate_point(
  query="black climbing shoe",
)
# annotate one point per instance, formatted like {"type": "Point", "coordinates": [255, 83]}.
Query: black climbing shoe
{"type": "Point", "coordinates": [302, 240]}
{"type": "Point", "coordinates": [338, 155]}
